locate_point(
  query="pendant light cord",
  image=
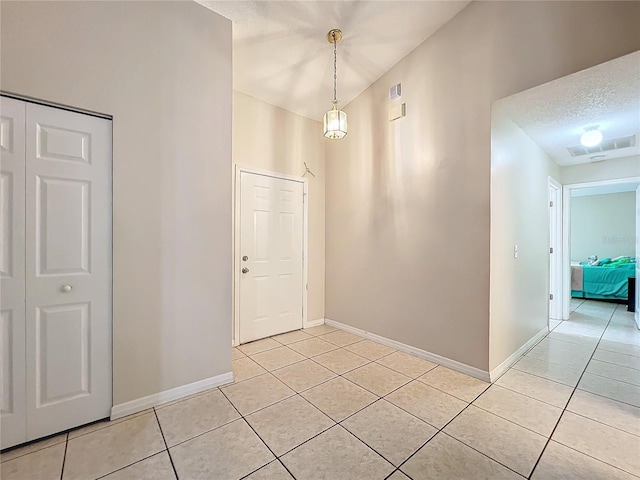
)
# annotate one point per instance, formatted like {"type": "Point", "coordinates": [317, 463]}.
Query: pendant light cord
{"type": "Point", "coordinates": [335, 70]}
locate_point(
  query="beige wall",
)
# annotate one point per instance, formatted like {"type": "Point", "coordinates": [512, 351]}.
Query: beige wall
{"type": "Point", "coordinates": [269, 138]}
{"type": "Point", "coordinates": [163, 71]}
{"type": "Point", "coordinates": [603, 225]}
{"type": "Point", "coordinates": [610, 169]}
{"type": "Point", "coordinates": [408, 202]}
{"type": "Point", "coordinates": [520, 172]}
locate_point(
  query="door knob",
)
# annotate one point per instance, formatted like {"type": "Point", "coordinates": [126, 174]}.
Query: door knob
{"type": "Point", "coordinates": [245, 270]}
{"type": "Point", "coordinates": [245, 258]}
{"type": "Point", "coordinates": [66, 288]}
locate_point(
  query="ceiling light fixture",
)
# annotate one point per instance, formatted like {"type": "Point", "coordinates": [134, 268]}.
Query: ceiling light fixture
{"type": "Point", "coordinates": [334, 122]}
{"type": "Point", "coordinates": [591, 137]}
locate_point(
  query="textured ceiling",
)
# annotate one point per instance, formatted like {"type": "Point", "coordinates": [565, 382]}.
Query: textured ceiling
{"type": "Point", "coordinates": [555, 114]}
{"type": "Point", "coordinates": [281, 54]}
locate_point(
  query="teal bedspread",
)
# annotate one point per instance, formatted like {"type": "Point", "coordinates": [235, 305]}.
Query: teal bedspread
{"type": "Point", "coordinates": [605, 282]}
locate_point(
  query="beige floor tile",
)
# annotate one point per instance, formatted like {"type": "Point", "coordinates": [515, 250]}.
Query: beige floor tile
{"type": "Point", "coordinates": [562, 463]}
{"type": "Point", "coordinates": [604, 410]}
{"type": "Point", "coordinates": [184, 420]}
{"type": "Point", "coordinates": [244, 368]}
{"type": "Point", "coordinates": [336, 455]}
{"type": "Point", "coordinates": [616, 358]}
{"type": "Point", "coordinates": [370, 350]}
{"type": "Point", "coordinates": [390, 431]}
{"type": "Point", "coordinates": [454, 383]}
{"type": "Point", "coordinates": [157, 467]}
{"type": "Point", "coordinates": [407, 364]}
{"type": "Point", "coordinates": [256, 393]}
{"type": "Point", "coordinates": [614, 372]}
{"type": "Point", "coordinates": [621, 391]}
{"type": "Point", "coordinates": [445, 458]}
{"type": "Point", "coordinates": [303, 375]}
{"type": "Point", "coordinates": [277, 358]}
{"type": "Point", "coordinates": [319, 330]}
{"type": "Point", "coordinates": [577, 339]}
{"type": "Point", "coordinates": [226, 453]}
{"type": "Point", "coordinates": [619, 348]}
{"type": "Point", "coordinates": [236, 354]}
{"type": "Point", "coordinates": [259, 346]}
{"type": "Point", "coordinates": [339, 398]}
{"type": "Point", "coordinates": [273, 471]}
{"type": "Point", "coordinates": [599, 441]}
{"type": "Point", "coordinates": [539, 388]}
{"type": "Point", "coordinates": [504, 441]}
{"type": "Point", "coordinates": [341, 361]}
{"type": "Point", "coordinates": [92, 427]}
{"type": "Point", "coordinates": [517, 408]}
{"type": "Point", "coordinates": [32, 447]}
{"type": "Point", "coordinates": [109, 449]}
{"type": "Point", "coordinates": [291, 337]}
{"type": "Point", "coordinates": [312, 347]}
{"type": "Point", "coordinates": [377, 379]}
{"type": "Point", "coordinates": [341, 338]}
{"type": "Point", "coordinates": [43, 464]}
{"type": "Point", "coordinates": [571, 328]}
{"type": "Point", "coordinates": [287, 424]}
{"type": "Point", "coordinates": [425, 402]}
{"type": "Point", "coordinates": [550, 371]}
{"type": "Point", "coordinates": [622, 335]}
{"type": "Point", "coordinates": [563, 353]}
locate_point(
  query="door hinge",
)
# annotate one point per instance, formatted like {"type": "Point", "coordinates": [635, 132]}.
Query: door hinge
{"type": "Point", "coordinates": [551, 203]}
{"type": "Point", "coordinates": [550, 249]}
{"type": "Point", "coordinates": [551, 296]}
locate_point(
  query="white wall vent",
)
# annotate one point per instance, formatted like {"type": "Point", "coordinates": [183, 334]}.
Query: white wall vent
{"type": "Point", "coordinates": [605, 146]}
{"type": "Point", "coordinates": [395, 91]}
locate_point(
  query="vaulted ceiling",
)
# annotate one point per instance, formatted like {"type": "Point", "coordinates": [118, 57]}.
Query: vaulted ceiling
{"type": "Point", "coordinates": [281, 54]}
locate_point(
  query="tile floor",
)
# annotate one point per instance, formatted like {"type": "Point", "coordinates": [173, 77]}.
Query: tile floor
{"type": "Point", "coordinates": [326, 404]}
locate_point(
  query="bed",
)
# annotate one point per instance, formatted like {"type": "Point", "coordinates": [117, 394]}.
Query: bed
{"type": "Point", "coordinates": [601, 282]}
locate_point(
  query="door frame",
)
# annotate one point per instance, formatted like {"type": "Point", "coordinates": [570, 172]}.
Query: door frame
{"type": "Point", "coordinates": [555, 259]}
{"type": "Point", "coordinates": [566, 234]}
{"type": "Point", "coordinates": [235, 335]}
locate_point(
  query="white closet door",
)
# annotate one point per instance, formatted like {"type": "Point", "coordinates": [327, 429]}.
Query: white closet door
{"type": "Point", "coordinates": [271, 243]}
{"type": "Point", "coordinates": [12, 261]}
{"type": "Point", "coordinates": [68, 269]}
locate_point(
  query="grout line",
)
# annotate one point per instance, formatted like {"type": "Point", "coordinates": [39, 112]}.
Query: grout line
{"type": "Point", "coordinates": [165, 443]}
{"type": "Point", "coordinates": [64, 457]}
{"type": "Point", "coordinates": [570, 397]}
{"type": "Point", "coordinates": [134, 463]}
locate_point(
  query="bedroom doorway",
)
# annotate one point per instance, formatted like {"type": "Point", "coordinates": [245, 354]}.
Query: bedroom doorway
{"type": "Point", "coordinates": [555, 251]}
{"type": "Point", "coordinates": [608, 241]}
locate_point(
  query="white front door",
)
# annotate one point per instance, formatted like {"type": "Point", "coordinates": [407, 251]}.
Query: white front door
{"type": "Point", "coordinates": [65, 368]}
{"type": "Point", "coordinates": [12, 198]}
{"type": "Point", "coordinates": [271, 256]}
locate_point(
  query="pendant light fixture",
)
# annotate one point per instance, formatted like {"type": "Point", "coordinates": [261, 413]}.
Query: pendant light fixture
{"type": "Point", "coordinates": [334, 121]}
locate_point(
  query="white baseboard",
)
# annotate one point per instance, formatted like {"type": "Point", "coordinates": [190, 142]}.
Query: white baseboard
{"type": "Point", "coordinates": [515, 356]}
{"type": "Point", "coordinates": [432, 357]}
{"type": "Point", "coordinates": [314, 323]}
{"type": "Point", "coordinates": [139, 404]}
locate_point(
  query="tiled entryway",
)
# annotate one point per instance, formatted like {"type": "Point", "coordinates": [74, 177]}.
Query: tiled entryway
{"type": "Point", "coordinates": [326, 404]}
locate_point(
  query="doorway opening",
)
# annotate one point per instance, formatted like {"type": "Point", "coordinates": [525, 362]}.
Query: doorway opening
{"type": "Point", "coordinates": [270, 254]}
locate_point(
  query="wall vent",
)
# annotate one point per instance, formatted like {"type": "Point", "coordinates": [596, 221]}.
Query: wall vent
{"type": "Point", "coordinates": [605, 146]}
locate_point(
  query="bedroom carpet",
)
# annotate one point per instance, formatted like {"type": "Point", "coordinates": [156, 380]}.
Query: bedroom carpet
{"type": "Point", "coordinates": [322, 403]}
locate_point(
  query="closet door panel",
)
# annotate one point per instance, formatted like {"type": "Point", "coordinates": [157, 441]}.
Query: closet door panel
{"type": "Point", "coordinates": [68, 265]}
{"type": "Point", "coordinates": [12, 271]}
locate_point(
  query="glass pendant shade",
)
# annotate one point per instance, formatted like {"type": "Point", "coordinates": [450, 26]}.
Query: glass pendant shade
{"type": "Point", "coordinates": [334, 123]}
